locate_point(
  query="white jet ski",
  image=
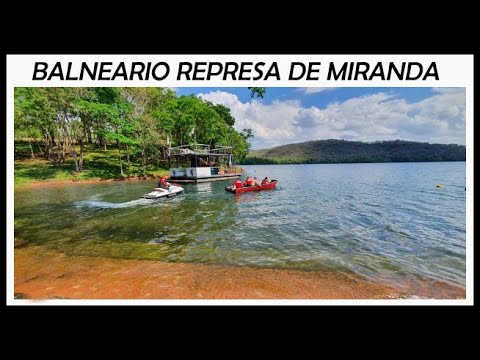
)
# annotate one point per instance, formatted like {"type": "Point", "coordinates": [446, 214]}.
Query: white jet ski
{"type": "Point", "coordinates": [158, 192]}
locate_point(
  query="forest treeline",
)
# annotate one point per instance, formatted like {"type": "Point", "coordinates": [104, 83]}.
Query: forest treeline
{"type": "Point", "coordinates": [141, 123]}
{"type": "Point", "coordinates": [342, 151]}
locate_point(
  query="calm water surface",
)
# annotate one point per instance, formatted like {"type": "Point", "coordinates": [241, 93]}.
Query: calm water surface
{"type": "Point", "coordinates": [378, 220]}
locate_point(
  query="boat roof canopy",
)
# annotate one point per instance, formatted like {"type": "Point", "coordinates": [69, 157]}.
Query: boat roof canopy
{"type": "Point", "coordinates": [199, 150]}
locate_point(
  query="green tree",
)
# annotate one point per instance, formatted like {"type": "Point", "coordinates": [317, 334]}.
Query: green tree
{"type": "Point", "coordinates": [27, 113]}
{"type": "Point", "coordinates": [224, 113]}
{"type": "Point", "coordinates": [257, 91]}
{"type": "Point", "coordinates": [140, 122]}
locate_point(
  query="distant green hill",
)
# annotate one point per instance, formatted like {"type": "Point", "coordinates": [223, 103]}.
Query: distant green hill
{"type": "Point", "coordinates": [342, 151]}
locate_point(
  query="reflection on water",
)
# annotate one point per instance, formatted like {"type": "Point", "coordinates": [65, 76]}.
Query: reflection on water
{"type": "Point", "coordinates": [246, 197]}
{"type": "Point", "coordinates": [373, 219]}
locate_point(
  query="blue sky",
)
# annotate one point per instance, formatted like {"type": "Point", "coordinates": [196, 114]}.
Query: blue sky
{"type": "Point", "coordinates": [289, 115]}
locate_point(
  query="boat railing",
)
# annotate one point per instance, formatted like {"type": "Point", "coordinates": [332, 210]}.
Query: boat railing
{"type": "Point", "coordinates": [200, 149]}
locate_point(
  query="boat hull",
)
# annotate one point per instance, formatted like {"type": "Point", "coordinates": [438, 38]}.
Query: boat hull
{"type": "Point", "coordinates": [245, 189]}
{"type": "Point", "coordinates": [159, 193]}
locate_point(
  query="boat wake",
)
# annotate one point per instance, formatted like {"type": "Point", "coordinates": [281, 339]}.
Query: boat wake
{"type": "Point", "coordinates": [110, 205]}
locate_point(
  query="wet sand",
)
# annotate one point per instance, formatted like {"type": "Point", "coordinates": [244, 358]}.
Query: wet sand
{"type": "Point", "coordinates": [42, 274]}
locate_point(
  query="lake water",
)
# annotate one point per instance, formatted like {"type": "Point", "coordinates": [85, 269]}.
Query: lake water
{"type": "Point", "coordinates": [378, 220]}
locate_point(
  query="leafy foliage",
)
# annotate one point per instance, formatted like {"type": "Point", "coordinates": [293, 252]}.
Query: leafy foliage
{"type": "Point", "coordinates": [257, 91]}
{"type": "Point", "coordinates": [341, 151]}
{"type": "Point", "coordinates": [139, 122]}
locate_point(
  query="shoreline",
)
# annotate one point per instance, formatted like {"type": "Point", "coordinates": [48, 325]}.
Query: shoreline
{"type": "Point", "coordinates": [51, 182]}
{"type": "Point", "coordinates": [44, 274]}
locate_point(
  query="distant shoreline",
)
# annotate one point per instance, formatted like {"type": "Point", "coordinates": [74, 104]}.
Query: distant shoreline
{"type": "Point", "coordinates": [60, 182]}
{"type": "Point", "coordinates": [342, 151]}
{"type": "Point", "coordinates": [358, 162]}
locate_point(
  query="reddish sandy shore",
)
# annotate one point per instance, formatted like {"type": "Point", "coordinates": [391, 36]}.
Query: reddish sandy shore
{"type": "Point", "coordinates": [41, 274]}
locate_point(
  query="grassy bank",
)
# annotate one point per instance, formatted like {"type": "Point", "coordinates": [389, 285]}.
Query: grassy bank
{"type": "Point", "coordinates": [98, 165]}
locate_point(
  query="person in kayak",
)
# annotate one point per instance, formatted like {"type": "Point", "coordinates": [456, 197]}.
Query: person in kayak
{"type": "Point", "coordinates": [248, 181]}
{"type": "Point", "coordinates": [265, 181]}
{"type": "Point", "coordinates": [162, 183]}
{"type": "Point", "coordinates": [255, 181]}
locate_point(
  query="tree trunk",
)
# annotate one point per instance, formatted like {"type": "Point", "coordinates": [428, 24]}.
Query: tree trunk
{"type": "Point", "coordinates": [80, 163]}
{"type": "Point", "coordinates": [120, 157]}
{"type": "Point", "coordinates": [45, 143]}
{"type": "Point", "coordinates": [73, 154]}
{"type": "Point", "coordinates": [64, 145]}
{"type": "Point", "coordinates": [75, 160]}
{"type": "Point", "coordinates": [39, 148]}
{"type": "Point", "coordinates": [101, 142]}
{"type": "Point", "coordinates": [144, 163]}
{"type": "Point", "coordinates": [52, 138]}
{"type": "Point", "coordinates": [89, 136]}
{"type": "Point", "coordinates": [128, 156]}
{"type": "Point", "coordinates": [49, 149]}
{"type": "Point", "coordinates": [31, 148]}
{"type": "Point", "coordinates": [104, 143]}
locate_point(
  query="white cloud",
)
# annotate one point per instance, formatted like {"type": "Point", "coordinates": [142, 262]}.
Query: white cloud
{"type": "Point", "coordinates": [315, 90]}
{"type": "Point", "coordinates": [380, 116]}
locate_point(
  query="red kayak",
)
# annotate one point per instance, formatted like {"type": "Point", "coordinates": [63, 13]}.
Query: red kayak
{"type": "Point", "coordinates": [270, 185]}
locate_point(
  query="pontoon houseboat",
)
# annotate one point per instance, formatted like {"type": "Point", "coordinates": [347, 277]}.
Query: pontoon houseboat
{"type": "Point", "coordinates": [200, 163]}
